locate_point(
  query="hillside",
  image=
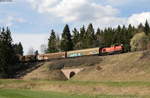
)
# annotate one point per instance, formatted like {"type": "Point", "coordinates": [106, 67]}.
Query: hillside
{"type": "Point", "coordinates": [52, 70]}
{"type": "Point", "coordinates": [122, 67]}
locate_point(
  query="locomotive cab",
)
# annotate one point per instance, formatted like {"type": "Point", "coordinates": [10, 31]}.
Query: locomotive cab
{"type": "Point", "coordinates": [111, 50]}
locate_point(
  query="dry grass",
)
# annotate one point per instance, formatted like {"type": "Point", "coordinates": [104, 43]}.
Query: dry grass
{"type": "Point", "coordinates": [43, 73]}
{"type": "Point", "coordinates": [77, 87]}
{"type": "Point", "coordinates": [122, 67]}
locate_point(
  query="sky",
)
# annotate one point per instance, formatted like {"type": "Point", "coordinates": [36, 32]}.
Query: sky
{"type": "Point", "coordinates": [31, 21]}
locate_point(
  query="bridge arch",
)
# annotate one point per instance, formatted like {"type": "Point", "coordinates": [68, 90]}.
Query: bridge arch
{"type": "Point", "coordinates": [72, 74]}
{"type": "Point", "coordinates": [69, 73]}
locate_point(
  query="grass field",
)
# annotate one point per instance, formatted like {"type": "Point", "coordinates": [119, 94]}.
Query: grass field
{"type": "Point", "coordinates": [14, 93]}
{"type": "Point", "coordinates": [73, 89]}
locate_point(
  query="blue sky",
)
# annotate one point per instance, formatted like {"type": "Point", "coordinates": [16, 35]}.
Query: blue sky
{"type": "Point", "coordinates": [31, 20]}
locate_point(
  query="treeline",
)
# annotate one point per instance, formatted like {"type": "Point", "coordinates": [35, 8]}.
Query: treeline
{"type": "Point", "coordinates": [89, 37]}
{"type": "Point", "coordinates": [9, 54]}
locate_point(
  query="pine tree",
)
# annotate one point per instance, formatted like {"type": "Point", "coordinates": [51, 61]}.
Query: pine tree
{"type": "Point", "coordinates": [66, 41]}
{"type": "Point", "coordinates": [76, 39]}
{"type": "Point", "coordinates": [140, 28]}
{"type": "Point", "coordinates": [52, 47]}
{"type": "Point", "coordinates": [98, 38]}
{"type": "Point", "coordinates": [8, 58]}
{"type": "Point", "coordinates": [81, 37]}
{"type": "Point", "coordinates": [147, 28]}
{"type": "Point", "coordinates": [89, 38]}
{"type": "Point", "coordinates": [18, 49]}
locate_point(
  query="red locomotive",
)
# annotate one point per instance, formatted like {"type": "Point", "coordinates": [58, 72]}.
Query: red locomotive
{"type": "Point", "coordinates": [111, 50]}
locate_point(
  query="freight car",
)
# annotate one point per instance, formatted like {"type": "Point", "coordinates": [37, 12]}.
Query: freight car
{"type": "Point", "coordinates": [28, 58]}
{"type": "Point", "coordinates": [83, 52]}
{"type": "Point", "coordinates": [50, 56]}
{"type": "Point", "coordinates": [76, 53]}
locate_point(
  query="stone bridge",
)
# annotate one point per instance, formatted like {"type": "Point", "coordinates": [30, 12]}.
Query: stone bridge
{"type": "Point", "coordinates": [69, 73]}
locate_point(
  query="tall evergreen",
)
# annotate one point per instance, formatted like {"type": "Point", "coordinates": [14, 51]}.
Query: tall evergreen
{"type": "Point", "coordinates": [18, 49]}
{"type": "Point", "coordinates": [140, 28]}
{"type": "Point", "coordinates": [76, 39]}
{"type": "Point", "coordinates": [147, 28]}
{"type": "Point", "coordinates": [8, 58]}
{"type": "Point", "coordinates": [81, 37]}
{"type": "Point", "coordinates": [52, 43]}
{"type": "Point", "coordinates": [66, 41]}
{"type": "Point", "coordinates": [98, 38]}
{"type": "Point", "coordinates": [89, 37]}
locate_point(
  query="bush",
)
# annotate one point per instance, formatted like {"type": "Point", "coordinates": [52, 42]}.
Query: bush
{"type": "Point", "coordinates": [139, 42]}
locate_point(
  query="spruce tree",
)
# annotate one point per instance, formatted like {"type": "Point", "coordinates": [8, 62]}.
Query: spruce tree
{"type": "Point", "coordinates": [147, 28]}
{"type": "Point", "coordinates": [66, 41]}
{"type": "Point", "coordinates": [98, 38]}
{"type": "Point", "coordinates": [8, 58]}
{"type": "Point", "coordinates": [52, 45]}
{"type": "Point", "coordinates": [89, 37]}
{"type": "Point", "coordinates": [140, 28]}
{"type": "Point", "coordinates": [18, 49]}
{"type": "Point", "coordinates": [81, 37]}
{"type": "Point", "coordinates": [76, 39]}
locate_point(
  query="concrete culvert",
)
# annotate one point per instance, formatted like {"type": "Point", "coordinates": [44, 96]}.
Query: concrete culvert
{"type": "Point", "coordinates": [72, 74]}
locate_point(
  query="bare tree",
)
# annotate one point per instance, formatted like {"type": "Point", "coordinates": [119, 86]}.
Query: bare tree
{"type": "Point", "coordinates": [43, 48]}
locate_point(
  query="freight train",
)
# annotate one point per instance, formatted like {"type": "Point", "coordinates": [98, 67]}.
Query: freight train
{"type": "Point", "coordinates": [76, 53]}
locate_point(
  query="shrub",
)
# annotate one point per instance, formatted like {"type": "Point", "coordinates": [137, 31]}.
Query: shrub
{"type": "Point", "coordinates": [139, 42]}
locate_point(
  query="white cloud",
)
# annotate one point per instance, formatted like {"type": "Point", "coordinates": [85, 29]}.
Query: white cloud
{"type": "Point", "coordinates": [138, 18]}
{"type": "Point", "coordinates": [74, 10]}
{"type": "Point", "coordinates": [117, 2]}
{"type": "Point", "coordinates": [10, 20]}
{"type": "Point", "coordinates": [30, 40]}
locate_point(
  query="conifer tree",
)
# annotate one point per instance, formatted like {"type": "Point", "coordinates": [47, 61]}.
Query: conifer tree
{"type": "Point", "coordinates": [8, 58]}
{"type": "Point", "coordinates": [66, 41]}
{"type": "Point", "coordinates": [81, 38]}
{"type": "Point", "coordinates": [140, 28]}
{"type": "Point", "coordinates": [76, 39]}
{"type": "Point", "coordinates": [89, 37]}
{"type": "Point", "coordinates": [18, 49]}
{"type": "Point", "coordinates": [52, 47]}
{"type": "Point", "coordinates": [147, 28]}
{"type": "Point", "coordinates": [98, 38]}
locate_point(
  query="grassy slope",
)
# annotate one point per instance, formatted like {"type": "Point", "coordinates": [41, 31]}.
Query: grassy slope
{"type": "Point", "coordinates": [43, 72]}
{"type": "Point", "coordinates": [51, 70]}
{"type": "Point", "coordinates": [122, 67]}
